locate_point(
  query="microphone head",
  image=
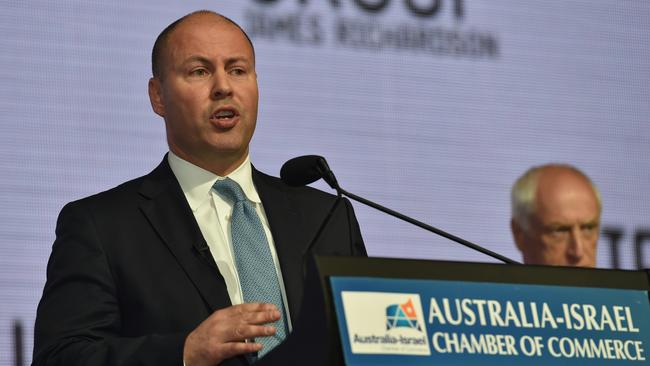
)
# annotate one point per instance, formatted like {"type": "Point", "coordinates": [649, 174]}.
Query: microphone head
{"type": "Point", "coordinates": [302, 170]}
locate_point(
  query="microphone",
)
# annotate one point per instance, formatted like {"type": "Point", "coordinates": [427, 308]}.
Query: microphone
{"type": "Point", "coordinates": [304, 170]}
{"type": "Point", "coordinates": [307, 169]}
{"type": "Point", "coordinates": [203, 250]}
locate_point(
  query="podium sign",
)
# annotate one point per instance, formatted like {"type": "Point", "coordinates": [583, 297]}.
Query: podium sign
{"type": "Point", "coordinates": [392, 321]}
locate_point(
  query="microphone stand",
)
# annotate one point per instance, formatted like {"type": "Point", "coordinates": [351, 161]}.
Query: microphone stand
{"type": "Point", "coordinates": [424, 226]}
{"type": "Point", "coordinates": [313, 241]}
{"type": "Point", "coordinates": [318, 168]}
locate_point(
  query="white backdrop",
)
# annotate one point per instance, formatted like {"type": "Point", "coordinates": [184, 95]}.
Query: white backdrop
{"type": "Point", "coordinates": [434, 116]}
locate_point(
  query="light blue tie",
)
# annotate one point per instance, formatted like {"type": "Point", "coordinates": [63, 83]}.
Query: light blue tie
{"type": "Point", "coordinates": [257, 274]}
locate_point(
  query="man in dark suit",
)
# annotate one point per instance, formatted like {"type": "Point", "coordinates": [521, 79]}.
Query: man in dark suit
{"type": "Point", "coordinates": [147, 273]}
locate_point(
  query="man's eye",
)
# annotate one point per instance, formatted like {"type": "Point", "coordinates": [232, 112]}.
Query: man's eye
{"type": "Point", "coordinates": [559, 232]}
{"type": "Point", "coordinates": [589, 227]}
{"type": "Point", "coordinates": [237, 71]}
{"type": "Point", "coordinates": [199, 72]}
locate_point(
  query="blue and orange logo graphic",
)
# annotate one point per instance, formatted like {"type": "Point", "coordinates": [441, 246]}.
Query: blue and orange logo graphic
{"type": "Point", "coordinates": [402, 315]}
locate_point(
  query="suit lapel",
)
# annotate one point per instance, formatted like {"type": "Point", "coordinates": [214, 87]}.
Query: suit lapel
{"type": "Point", "coordinates": [169, 213]}
{"type": "Point", "coordinates": [290, 240]}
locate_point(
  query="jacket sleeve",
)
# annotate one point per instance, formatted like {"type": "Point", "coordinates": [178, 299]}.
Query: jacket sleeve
{"type": "Point", "coordinates": [78, 320]}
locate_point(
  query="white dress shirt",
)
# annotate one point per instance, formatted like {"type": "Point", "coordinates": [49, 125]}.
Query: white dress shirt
{"type": "Point", "coordinates": [213, 215]}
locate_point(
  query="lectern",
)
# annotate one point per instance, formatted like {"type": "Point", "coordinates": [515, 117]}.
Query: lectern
{"type": "Point", "coordinates": [374, 311]}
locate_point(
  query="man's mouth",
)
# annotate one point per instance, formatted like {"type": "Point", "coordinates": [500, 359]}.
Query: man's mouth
{"type": "Point", "coordinates": [224, 114]}
{"type": "Point", "coordinates": [224, 117]}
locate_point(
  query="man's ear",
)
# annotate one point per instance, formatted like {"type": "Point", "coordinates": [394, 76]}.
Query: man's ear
{"type": "Point", "coordinates": [155, 96]}
{"type": "Point", "coordinates": [518, 234]}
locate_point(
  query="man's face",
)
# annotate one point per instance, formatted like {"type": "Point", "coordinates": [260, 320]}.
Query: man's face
{"type": "Point", "coordinates": [565, 227]}
{"type": "Point", "coordinates": [207, 92]}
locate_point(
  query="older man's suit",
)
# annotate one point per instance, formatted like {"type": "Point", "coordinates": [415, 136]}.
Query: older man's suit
{"type": "Point", "coordinates": [130, 274]}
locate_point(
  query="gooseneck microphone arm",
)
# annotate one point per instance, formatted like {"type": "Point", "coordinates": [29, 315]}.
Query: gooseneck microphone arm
{"type": "Point", "coordinates": [307, 169]}
{"type": "Point", "coordinates": [430, 228]}
{"type": "Point", "coordinates": [314, 240]}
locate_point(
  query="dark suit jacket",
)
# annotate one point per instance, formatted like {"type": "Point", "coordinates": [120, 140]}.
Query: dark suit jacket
{"type": "Point", "coordinates": [128, 277]}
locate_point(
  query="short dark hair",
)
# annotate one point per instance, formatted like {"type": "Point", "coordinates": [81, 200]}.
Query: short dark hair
{"type": "Point", "coordinates": [161, 41]}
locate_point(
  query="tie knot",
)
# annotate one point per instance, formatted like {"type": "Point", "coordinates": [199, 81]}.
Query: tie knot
{"type": "Point", "coordinates": [229, 189]}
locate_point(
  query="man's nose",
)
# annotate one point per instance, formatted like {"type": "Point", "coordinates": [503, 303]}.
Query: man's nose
{"type": "Point", "coordinates": [576, 249]}
{"type": "Point", "coordinates": [221, 87]}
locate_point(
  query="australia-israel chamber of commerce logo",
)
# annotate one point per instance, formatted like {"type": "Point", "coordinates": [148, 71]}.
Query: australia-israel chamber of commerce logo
{"type": "Point", "coordinates": [385, 323]}
{"type": "Point", "coordinates": [402, 315]}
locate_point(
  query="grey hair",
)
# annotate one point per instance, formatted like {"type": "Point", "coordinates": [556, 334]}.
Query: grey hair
{"type": "Point", "coordinates": [522, 195]}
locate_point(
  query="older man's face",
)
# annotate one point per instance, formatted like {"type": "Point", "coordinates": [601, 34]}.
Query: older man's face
{"type": "Point", "coordinates": [564, 229]}
{"type": "Point", "coordinates": [208, 92]}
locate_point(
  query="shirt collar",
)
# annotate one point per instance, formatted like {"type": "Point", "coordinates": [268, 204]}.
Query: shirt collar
{"type": "Point", "coordinates": [197, 182]}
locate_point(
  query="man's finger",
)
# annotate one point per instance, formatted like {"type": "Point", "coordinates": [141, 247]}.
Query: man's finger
{"type": "Point", "coordinates": [232, 349]}
{"type": "Point", "coordinates": [243, 332]}
{"type": "Point", "coordinates": [261, 317]}
{"type": "Point", "coordinates": [242, 309]}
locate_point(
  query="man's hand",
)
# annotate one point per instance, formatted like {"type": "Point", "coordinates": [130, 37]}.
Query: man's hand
{"type": "Point", "coordinates": [222, 335]}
